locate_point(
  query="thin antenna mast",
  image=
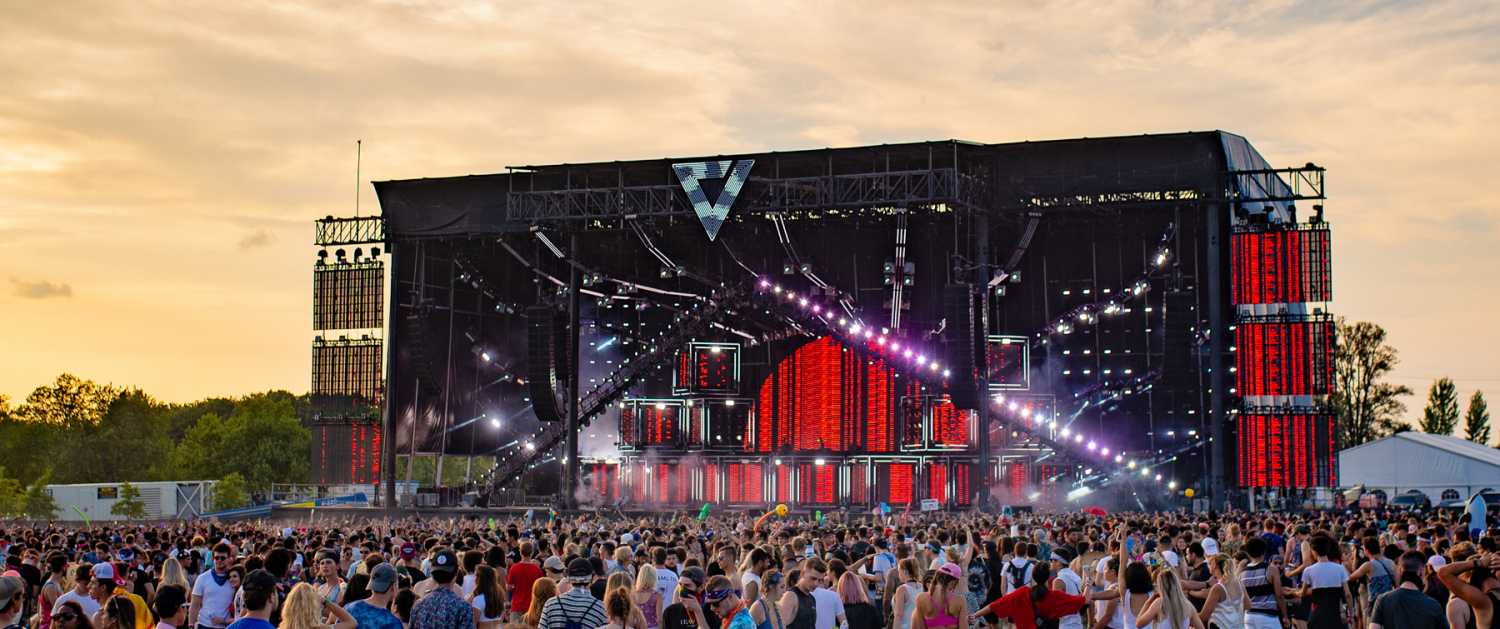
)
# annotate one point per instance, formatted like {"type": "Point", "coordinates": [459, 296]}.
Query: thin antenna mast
{"type": "Point", "coordinates": [359, 150]}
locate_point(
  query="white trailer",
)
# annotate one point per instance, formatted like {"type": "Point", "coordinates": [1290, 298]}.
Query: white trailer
{"type": "Point", "coordinates": [164, 500]}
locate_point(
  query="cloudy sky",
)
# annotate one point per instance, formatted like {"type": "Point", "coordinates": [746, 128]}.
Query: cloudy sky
{"type": "Point", "coordinates": [161, 164]}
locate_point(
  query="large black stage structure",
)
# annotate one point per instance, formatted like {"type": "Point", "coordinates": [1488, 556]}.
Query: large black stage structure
{"type": "Point", "coordinates": [960, 322]}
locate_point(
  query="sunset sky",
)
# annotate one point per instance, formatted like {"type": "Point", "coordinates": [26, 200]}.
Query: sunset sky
{"type": "Point", "coordinates": [161, 164]}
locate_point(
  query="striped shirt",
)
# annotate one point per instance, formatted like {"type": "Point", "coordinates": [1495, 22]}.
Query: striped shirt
{"type": "Point", "coordinates": [1261, 592]}
{"type": "Point", "coordinates": [576, 607]}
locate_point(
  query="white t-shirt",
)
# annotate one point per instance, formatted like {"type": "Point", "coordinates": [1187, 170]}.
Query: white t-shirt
{"type": "Point", "coordinates": [1010, 582]}
{"type": "Point", "coordinates": [469, 585]}
{"type": "Point", "coordinates": [479, 616]}
{"type": "Point", "coordinates": [829, 608]}
{"type": "Point", "coordinates": [746, 579]}
{"type": "Point", "coordinates": [666, 585]}
{"type": "Point", "coordinates": [89, 605]}
{"type": "Point", "coordinates": [216, 598]}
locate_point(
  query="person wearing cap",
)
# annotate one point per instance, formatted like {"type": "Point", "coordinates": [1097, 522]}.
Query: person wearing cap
{"type": "Point", "coordinates": [259, 591]}
{"type": "Point", "coordinates": [443, 607]}
{"type": "Point", "coordinates": [521, 576]}
{"type": "Point", "coordinates": [554, 568]}
{"type": "Point", "coordinates": [407, 563]}
{"type": "Point", "coordinates": [725, 603]}
{"type": "Point", "coordinates": [374, 612]}
{"type": "Point", "coordinates": [12, 595]}
{"type": "Point", "coordinates": [107, 584]}
{"type": "Point", "coordinates": [577, 608]}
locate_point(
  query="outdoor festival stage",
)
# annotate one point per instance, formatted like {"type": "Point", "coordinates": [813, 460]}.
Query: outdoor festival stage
{"type": "Point", "coordinates": [839, 327]}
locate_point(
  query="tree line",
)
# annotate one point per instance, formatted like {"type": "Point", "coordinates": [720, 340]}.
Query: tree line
{"type": "Point", "coordinates": [78, 431]}
{"type": "Point", "coordinates": [1367, 407]}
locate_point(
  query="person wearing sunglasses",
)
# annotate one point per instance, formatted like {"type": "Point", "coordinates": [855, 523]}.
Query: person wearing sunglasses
{"type": "Point", "coordinates": [724, 601]}
{"type": "Point", "coordinates": [70, 615]}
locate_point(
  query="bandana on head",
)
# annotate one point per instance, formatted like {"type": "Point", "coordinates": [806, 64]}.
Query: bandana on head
{"type": "Point", "coordinates": [714, 596]}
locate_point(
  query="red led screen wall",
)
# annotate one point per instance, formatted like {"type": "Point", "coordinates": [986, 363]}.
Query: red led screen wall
{"type": "Point", "coordinates": [950, 426]}
{"type": "Point", "coordinates": [346, 453]}
{"type": "Point", "coordinates": [895, 482]}
{"type": "Point", "coordinates": [630, 435]}
{"type": "Point", "coordinates": [707, 368]}
{"type": "Point", "coordinates": [604, 480]}
{"type": "Point", "coordinates": [817, 484]}
{"type": "Point", "coordinates": [659, 424]}
{"type": "Point", "coordinates": [1287, 450]}
{"type": "Point", "coordinates": [1284, 358]}
{"type": "Point", "coordinates": [744, 483]}
{"type": "Point", "coordinates": [823, 397]}
{"type": "Point", "coordinates": [1282, 266]}
{"type": "Point", "coordinates": [859, 483]}
{"type": "Point", "coordinates": [1008, 362]}
{"type": "Point", "coordinates": [937, 482]}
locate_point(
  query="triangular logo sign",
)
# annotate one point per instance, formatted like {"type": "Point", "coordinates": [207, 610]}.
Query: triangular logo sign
{"type": "Point", "coordinates": [691, 175]}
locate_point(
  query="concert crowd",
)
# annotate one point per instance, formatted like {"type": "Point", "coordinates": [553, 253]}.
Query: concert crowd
{"type": "Point", "coordinates": [1235, 570]}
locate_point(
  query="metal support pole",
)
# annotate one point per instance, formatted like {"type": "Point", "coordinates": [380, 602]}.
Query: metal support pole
{"type": "Point", "coordinates": [437, 476]}
{"type": "Point", "coordinates": [1216, 331]}
{"type": "Point", "coordinates": [575, 373]}
{"type": "Point", "coordinates": [981, 331]}
{"type": "Point", "coordinates": [388, 420]}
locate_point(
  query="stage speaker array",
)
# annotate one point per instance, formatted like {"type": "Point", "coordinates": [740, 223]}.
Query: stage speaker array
{"type": "Point", "coordinates": [544, 358]}
{"type": "Point", "coordinates": [960, 341]}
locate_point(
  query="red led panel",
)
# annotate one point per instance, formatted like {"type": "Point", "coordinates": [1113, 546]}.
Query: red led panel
{"type": "Point", "coordinates": [1282, 266]}
{"type": "Point", "coordinates": [746, 483]}
{"type": "Point", "coordinates": [605, 479]}
{"type": "Point", "coordinates": [937, 482]}
{"type": "Point", "coordinates": [817, 484]}
{"type": "Point", "coordinates": [1287, 450]}
{"type": "Point", "coordinates": [859, 483]}
{"type": "Point", "coordinates": [1284, 357]}
{"type": "Point", "coordinates": [783, 482]}
{"type": "Point", "coordinates": [961, 494]}
{"type": "Point", "coordinates": [682, 377]}
{"type": "Point", "coordinates": [950, 426]}
{"type": "Point", "coordinates": [1017, 478]}
{"type": "Point", "coordinates": [711, 484]}
{"type": "Point", "coordinates": [629, 433]}
{"type": "Point", "coordinates": [823, 397]}
{"type": "Point", "coordinates": [641, 484]}
{"type": "Point", "coordinates": [659, 425]}
{"type": "Point", "coordinates": [714, 370]}
{"type": "Point", "coordinates": [1007, 364]}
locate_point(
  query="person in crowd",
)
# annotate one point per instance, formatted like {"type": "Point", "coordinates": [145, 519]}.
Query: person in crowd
{"type": "Point", "coordinates": [212, 595]}
{"type": "Point", "coordinates": [904, 601]}
{"type": "Point", "coordinates": [577, 608]}
{"type": "Point", "coordinates": [306, 607]}
{"type": "Point", "coordinates": [470, 560]}
{"type": "Point", "coordinates": [646, 598]}
{"type": "Point", "coordinates": [171, 606]}
{"type": "Point", "coordinates": [1032, 602]}
{"type": "Point", "coordinates": [172, 573]}
{"type": "Point", "coordinates": [520, 578]}
{"type": "Point", "coordinates": [829, 607]}
{"type": "Point", "coordinates": [856, 601]}
{"type": "Point", "coordinates": [1266, 606]}
{"type": "Point", "coordinates": [260, 600]}
{"type": "Point", "coordinates": [330, 578]}
{"type": "Point", "coordinates": [443, 607]}
{"type": "Point", "coordinates": [118, 612]}
{"type": "Point", "coordinates": [1224, 607]}
{"type": "Point", "coordinates": [618, 608]}
{"type": "Point", "coordinates": [53, 588]}
{"type": "Point", "coordinates": [1325, 584]}
{"type": "Point", "coordinates": [1407, 606]}
{"type": "Point", "coordinates": [1480, 591]}
{"type": "Point", "coordinates": [1378, 573]}
{"type": "Point", "coordinates": [83, 576]}
{"type": "Point", "coordinates": [798, 606]}
{"type": "Point", "coordinates": [373, 612]}
{"type": "Point", "coordinates": [543, 590]}
{"type": "Point", "coordinates": [70, 615]}
{"type": "Point", "coordinates": [12, 597]}
{"type": "Point", "coordinates": [721, 597]}
{"type": "Point", "coordinates": [487, 599]}
{"type": "Point", "coordinates": [763, 610]}
{"type": "Point", "coordinates": [941, 605]}
{"type": "Point", "coordinates": [105, 588]}
{"type": "Point", "coordinates": [1168, 607]}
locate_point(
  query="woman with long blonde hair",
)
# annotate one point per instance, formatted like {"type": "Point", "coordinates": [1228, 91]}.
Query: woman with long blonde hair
{"type": "Point", "coordinates": [1225, 607]}
{"type": "Point", "coordinates": [305, 608]}
{"type": "Point", "coordinates": [1169, 607]}
{"type": "Point", "coordinates": [620, 581]}
{"type": "Point", "coordinates": [645, 596]}
{"type": "Point", "coordinates": [542, 590]}
{"type": "Point", "coordinates": [173, 574]}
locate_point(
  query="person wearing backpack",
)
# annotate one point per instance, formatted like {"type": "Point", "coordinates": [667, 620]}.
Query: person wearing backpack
{"type": "Point", "coordinates": [1019, 569]}
{"type": "Point", "coordinates": [1380, 573]}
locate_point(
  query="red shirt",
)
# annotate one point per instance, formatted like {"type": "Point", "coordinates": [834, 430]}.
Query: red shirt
{"type": "Point", "coordinates": [519, 579]}
{"type": "Point", "coordinates": [1017, 606]}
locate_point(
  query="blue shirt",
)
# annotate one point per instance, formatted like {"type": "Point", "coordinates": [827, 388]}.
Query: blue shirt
{"type": "Point", "coordinates": [371, 617]}
{"type": "Point", "coordinates": [442, 609]}
{"type": "Point", "coordinates": [251, 623]}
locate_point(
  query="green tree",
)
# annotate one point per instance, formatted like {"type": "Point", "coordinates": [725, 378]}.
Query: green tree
{"type": "Point", "coordinates": [1477, 419]}
{"type": "Point", "coordinates": [130, 442]}
{"type": "Point", "coordinates": [1441, 415]}
{"type": "Point", "coordinates": [67, 401]}
{"type": "Point", "coordinates": [36, 502]}
{"type": "Point", "coordinates": [1366, 406]}
{"type": "Point", "coordinates": [11, 494]}
{"type": "Point", "coordinates": [229, 492]}
{"type": "Point", "coordinates": [263, 440]}
{"type": "Point", "coordinates": [129, 503]}
{"type": "Point", "coordinates": [28, 448]}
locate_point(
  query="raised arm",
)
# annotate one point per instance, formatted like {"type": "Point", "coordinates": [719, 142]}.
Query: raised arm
{"type": "Point", "coordinates": [1449, 575]}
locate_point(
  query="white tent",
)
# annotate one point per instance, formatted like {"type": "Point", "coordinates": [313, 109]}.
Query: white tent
{"type": "Point", "coordinates": [1443, 467]}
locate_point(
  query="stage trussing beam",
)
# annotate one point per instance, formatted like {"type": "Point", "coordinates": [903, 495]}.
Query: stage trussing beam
{"type": "Point", "coordinates": [935, 188]}
{"type": "Point", "coordinates": [364, 230]}
{"type": "Point", "coordinates": [1304, 183]}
